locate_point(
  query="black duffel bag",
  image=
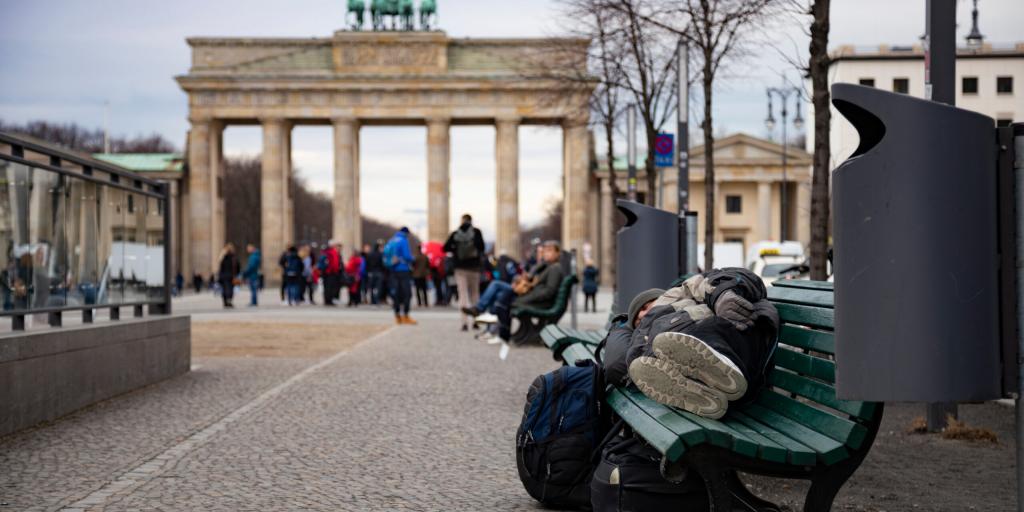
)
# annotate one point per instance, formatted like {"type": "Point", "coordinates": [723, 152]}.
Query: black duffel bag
{"type": "Point", "coordinates": [628, 478]}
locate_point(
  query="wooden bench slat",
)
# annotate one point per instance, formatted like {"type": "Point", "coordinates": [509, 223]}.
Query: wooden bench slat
{"type": "Point", "coordinates": [721, 434]}
{"type": "Point", "coordinates": [818, 298]}
{"type": "Point", "coordinates": [797, 452]}
{"type": "Point", "coordinates": [684, 427]}
{"type": "Point", "coordinates": [839, 429]}
{"type": "Point", "coordinates": [806, 285]}
{"type": "Point", "coordinates": [767, 449]}
{"type": "Point", "coordinates": [805, 315]}
{"type": "Point", "coordinates": [816, 367]}
{"type": "Point", "coordinates": [810, 339]}
{"type": "Point", "coordinates": [829, 450]}
{"type": "Point", "coordinates": [821, 393]}
{"type": "Point", "coordinates": [661, 437]}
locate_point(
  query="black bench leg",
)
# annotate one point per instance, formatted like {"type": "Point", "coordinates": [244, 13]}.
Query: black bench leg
{"type": "Point", "coordinates": [743, 499]}
{"type": "Point", "coordinates": [824, 488]}
{"type": "Point", "coordinates": [528, 332]}
{"type": "Point", "coordinates": [715, 479]}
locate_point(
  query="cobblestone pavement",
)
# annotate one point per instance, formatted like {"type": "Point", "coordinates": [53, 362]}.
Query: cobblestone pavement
{"type": "Point", "coordinates": [417, 418]}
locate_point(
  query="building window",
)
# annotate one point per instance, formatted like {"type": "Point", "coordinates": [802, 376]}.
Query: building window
{"type": "Point", "coordinates": [969, 85]}
{"type": "Point", "coordinates": [1003, 122]}
{"type": "Point", "coordinates": [901, 85]}
{"type": "Point", "coordinates": [870, 82]}
{"type": "Point", "coordinates": [733, 204]}
{"type": "Point", "coordinates": [1004, 84]}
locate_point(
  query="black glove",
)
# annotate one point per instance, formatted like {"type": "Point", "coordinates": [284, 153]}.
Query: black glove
{"type": "Point", "coordinates": [737, 310]}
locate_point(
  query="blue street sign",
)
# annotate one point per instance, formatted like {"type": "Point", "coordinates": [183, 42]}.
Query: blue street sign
{"type": "Point", "coordinates": [663, 154]}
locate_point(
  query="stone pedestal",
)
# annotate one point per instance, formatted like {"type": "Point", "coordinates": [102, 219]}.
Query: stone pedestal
{"type": "Point", "coordinates": [507, 184]}
{"type": "Point", "coordinates": [346, 183]}
{"type": "Point", "coordinates": [437, 179]}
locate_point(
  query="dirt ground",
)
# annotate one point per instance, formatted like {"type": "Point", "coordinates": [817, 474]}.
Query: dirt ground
{"type": "Point", "coordinates": [906, 471]}
{"type": "Point", "coordinates": [277, 339]}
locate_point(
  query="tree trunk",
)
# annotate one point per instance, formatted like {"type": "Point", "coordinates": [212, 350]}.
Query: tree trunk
{"type": "Point", "coordinates": [652, 174]}
{"type": "Point", "coordinates": [818, 68]}
{"type": "Point", "coordinates": [612, 229]}
{"type": "Point", "coordinates": [709, 170]}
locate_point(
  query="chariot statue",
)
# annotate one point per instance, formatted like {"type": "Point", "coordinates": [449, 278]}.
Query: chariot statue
{"type": "Point", "coordinates": [392, 14]}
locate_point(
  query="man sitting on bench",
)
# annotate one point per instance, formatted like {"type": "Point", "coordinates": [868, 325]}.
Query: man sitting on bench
{"type": "Point", "coordinates": [697, 346]}
{"type": "Point", "coordinates": [537, 290]}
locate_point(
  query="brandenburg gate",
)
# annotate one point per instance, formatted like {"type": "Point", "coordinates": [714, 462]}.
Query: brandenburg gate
{"type": "Point", "coordinates": [355, 79]}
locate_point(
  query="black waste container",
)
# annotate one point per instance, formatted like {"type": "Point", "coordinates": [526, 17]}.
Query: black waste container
{"type": "Point", "coordinates": [647, 251]}
{"type": "Point", "coordinates": [916, 286]}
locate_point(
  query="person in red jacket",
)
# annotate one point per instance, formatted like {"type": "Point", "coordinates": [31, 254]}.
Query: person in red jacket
{"type": "Point", "coordinates": [330, 268]}
{"type": "Point", "coordinates": [353, 269]}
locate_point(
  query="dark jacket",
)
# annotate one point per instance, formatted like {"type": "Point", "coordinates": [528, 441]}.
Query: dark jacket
{"type": "Point", "coordinates": [375, 261]}
{"type": "Point", "coordinates": [478, 242]}
{"type": "Point", "coordinates": [420, 266]}
{"type": "Point", "coordinates": [616, 345]}
{"type": "Point", "coordinates": [229, 268]}
{"type": "Point", "coordinates": [549, 278]}
{"type": "Point", "coordinates": [590, 274]}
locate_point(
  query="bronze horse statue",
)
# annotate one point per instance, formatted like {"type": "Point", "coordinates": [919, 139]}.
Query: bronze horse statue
{"type": "Point", "coordinates": [428, 13]}
{"type": "Point", "coordinates": [357, 7]}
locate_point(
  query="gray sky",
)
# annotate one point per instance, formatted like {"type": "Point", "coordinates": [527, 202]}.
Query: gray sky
{"type": "Point", "coordinates": [62, 59]}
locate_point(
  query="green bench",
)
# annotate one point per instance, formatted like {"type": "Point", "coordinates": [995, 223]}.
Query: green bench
{"type": "Point", "coordinates": [558, 338]}
{"type": "Point", "coordinates": [533, 320]}
{"type": "Point", "coordinates": [796, 429]}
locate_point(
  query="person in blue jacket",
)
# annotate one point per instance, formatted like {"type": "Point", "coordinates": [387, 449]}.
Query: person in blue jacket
{"type": "Point", "coordinates": [252, 273]}
{"type": "Point", "coordinates": [399, 260]}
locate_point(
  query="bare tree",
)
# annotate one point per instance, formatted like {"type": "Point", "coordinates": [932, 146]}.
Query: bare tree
{"type": "Point", "coordinates": [817, 70]}
{"type": "Point", "coordinates": [716, 30]}
{"type": "Point", "coordinates": [79, 138]}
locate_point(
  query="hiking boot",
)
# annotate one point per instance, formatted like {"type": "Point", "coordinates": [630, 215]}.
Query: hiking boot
{"type": "Point", "coordinates": [471, 310]}
{"type": "Point", "coordinates": [699, 361]}
{"type": "Point", "coordinates": [664, 383]}
{"type": "Point", "coordinates": [399, 320]}
{"type": "Point", "coordinates": [464, 328]}
{"type": "Point", "coordinates": [408, 320]}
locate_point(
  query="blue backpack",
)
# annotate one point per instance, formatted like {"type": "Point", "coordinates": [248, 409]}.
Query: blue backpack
{"type": "Point", "coordinates": [559, 438]}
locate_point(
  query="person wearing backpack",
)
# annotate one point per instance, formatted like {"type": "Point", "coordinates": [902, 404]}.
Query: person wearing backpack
{"type": "Point", "coordinates": [398, 260]}
{"type": "Point", "coordinates": [466, 245]}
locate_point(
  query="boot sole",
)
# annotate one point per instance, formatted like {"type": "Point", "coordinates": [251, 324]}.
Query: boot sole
{"type": "Point", "coordinates": [701, 362]}
{"type": "Point", "coordinates": [664, 382]}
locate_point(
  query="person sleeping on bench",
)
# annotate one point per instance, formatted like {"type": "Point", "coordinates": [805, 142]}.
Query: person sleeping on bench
{"type": "Point", "coordinates": [698, 346]}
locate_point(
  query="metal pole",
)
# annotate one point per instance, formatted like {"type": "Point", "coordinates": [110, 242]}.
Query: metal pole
{"type": "Point", "coordinates": [785, 148]}
{"type": "Point", "coordinates": [683, 174]}
{"type": "Point", "coordinates": [939, 78]}
{"type": "Point", "coordinates": [1018, 167]}
{"type": "Point", "coordinates": [691, 243]}
{"type": "Point", "coordinates": [631, 152]}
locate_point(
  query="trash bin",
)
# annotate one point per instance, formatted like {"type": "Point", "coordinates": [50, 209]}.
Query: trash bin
{"type": "Point", "coordinates": [647, 254]}
{"type": "Point", "coordinates": [916, 273]}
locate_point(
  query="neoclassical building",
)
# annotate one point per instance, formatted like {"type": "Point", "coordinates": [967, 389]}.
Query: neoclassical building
{"type": "Point", "coordinates": [354, 79]}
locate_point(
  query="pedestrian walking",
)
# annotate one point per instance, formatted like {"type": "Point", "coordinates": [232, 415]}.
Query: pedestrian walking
{"type": "Point", "coordinates": [330, 268]}
{"type": "Point", "coordinates": [591, 278]}
{"type": "Point", "coordinates": [364, 288]}
{"type": "Point", "coordinates": [252, 273]}
{"type": "Point", "coordinates": [375, 272]}
{"type": "Point", "coordinates": [398, 261]}
{"type": "Point", "coordinates": [420, 273]}
{"type": "Point", "coordinates": [352, 269]}
{"type": "Point", "coordinates": [466, 246]}
{"type": "Point", "coordinates": [227, 274]}
{"type": "Point", "coordinates": [306, 283]}
{"type": "Point", "coordinates": [179, 284]}
{"type": "Point", "coordinates": [293, 276]}
{"type": "Point", "coordinates": [281, 262]}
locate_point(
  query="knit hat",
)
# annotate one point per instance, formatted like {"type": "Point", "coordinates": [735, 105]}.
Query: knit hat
{"type": "Point", "coordinates": [638, 302]}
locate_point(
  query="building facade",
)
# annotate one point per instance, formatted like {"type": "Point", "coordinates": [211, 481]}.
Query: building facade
{"type": "Point", "coordinates": [989, 80]}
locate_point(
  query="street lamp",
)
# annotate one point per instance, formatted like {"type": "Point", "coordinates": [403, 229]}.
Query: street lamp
{"type": "Point", "coordinates": [784, 93]}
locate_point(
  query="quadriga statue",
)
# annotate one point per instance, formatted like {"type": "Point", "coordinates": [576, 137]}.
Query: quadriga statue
{"type": "Point", "coordinates": [356, 8]}
{"type": "Point", "coordinates": [428, 14]}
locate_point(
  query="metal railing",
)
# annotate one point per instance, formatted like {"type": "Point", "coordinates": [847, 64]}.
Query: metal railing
{"type": "Point", "coordinates": [79, 234]}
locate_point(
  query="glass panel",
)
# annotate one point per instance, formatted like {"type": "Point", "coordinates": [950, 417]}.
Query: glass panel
{"type": "Point", "coordinates": [113, 231]}
{"type": "Point", "coordinates": [15, 273]}
{"type": "Point", "coordinates": [135, 248]}
{"type": "Point", "coordinates": [155, 248]}
{"type": "Point", "coordinates": [89, 253]}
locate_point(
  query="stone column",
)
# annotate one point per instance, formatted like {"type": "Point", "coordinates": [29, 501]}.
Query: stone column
{"type": "Point", "coordinates": [437, 179]}
{"type": "Point", "coordinates": [200, 206]}
{"type": "Point", "coordinates": [218, 225]}
{"type": "Point", "coordinates": [607, 233]}
{"type": "Point", "coordinates": [507, 184]}
{"type": "Point", "coordinates": [273, 196]}
{"type": "Point", "coordinates": [346, 182]}
{"type": "Point", "coordinates": [574, 212]}
{"type": "Point", "coordinates": [764, 210]}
